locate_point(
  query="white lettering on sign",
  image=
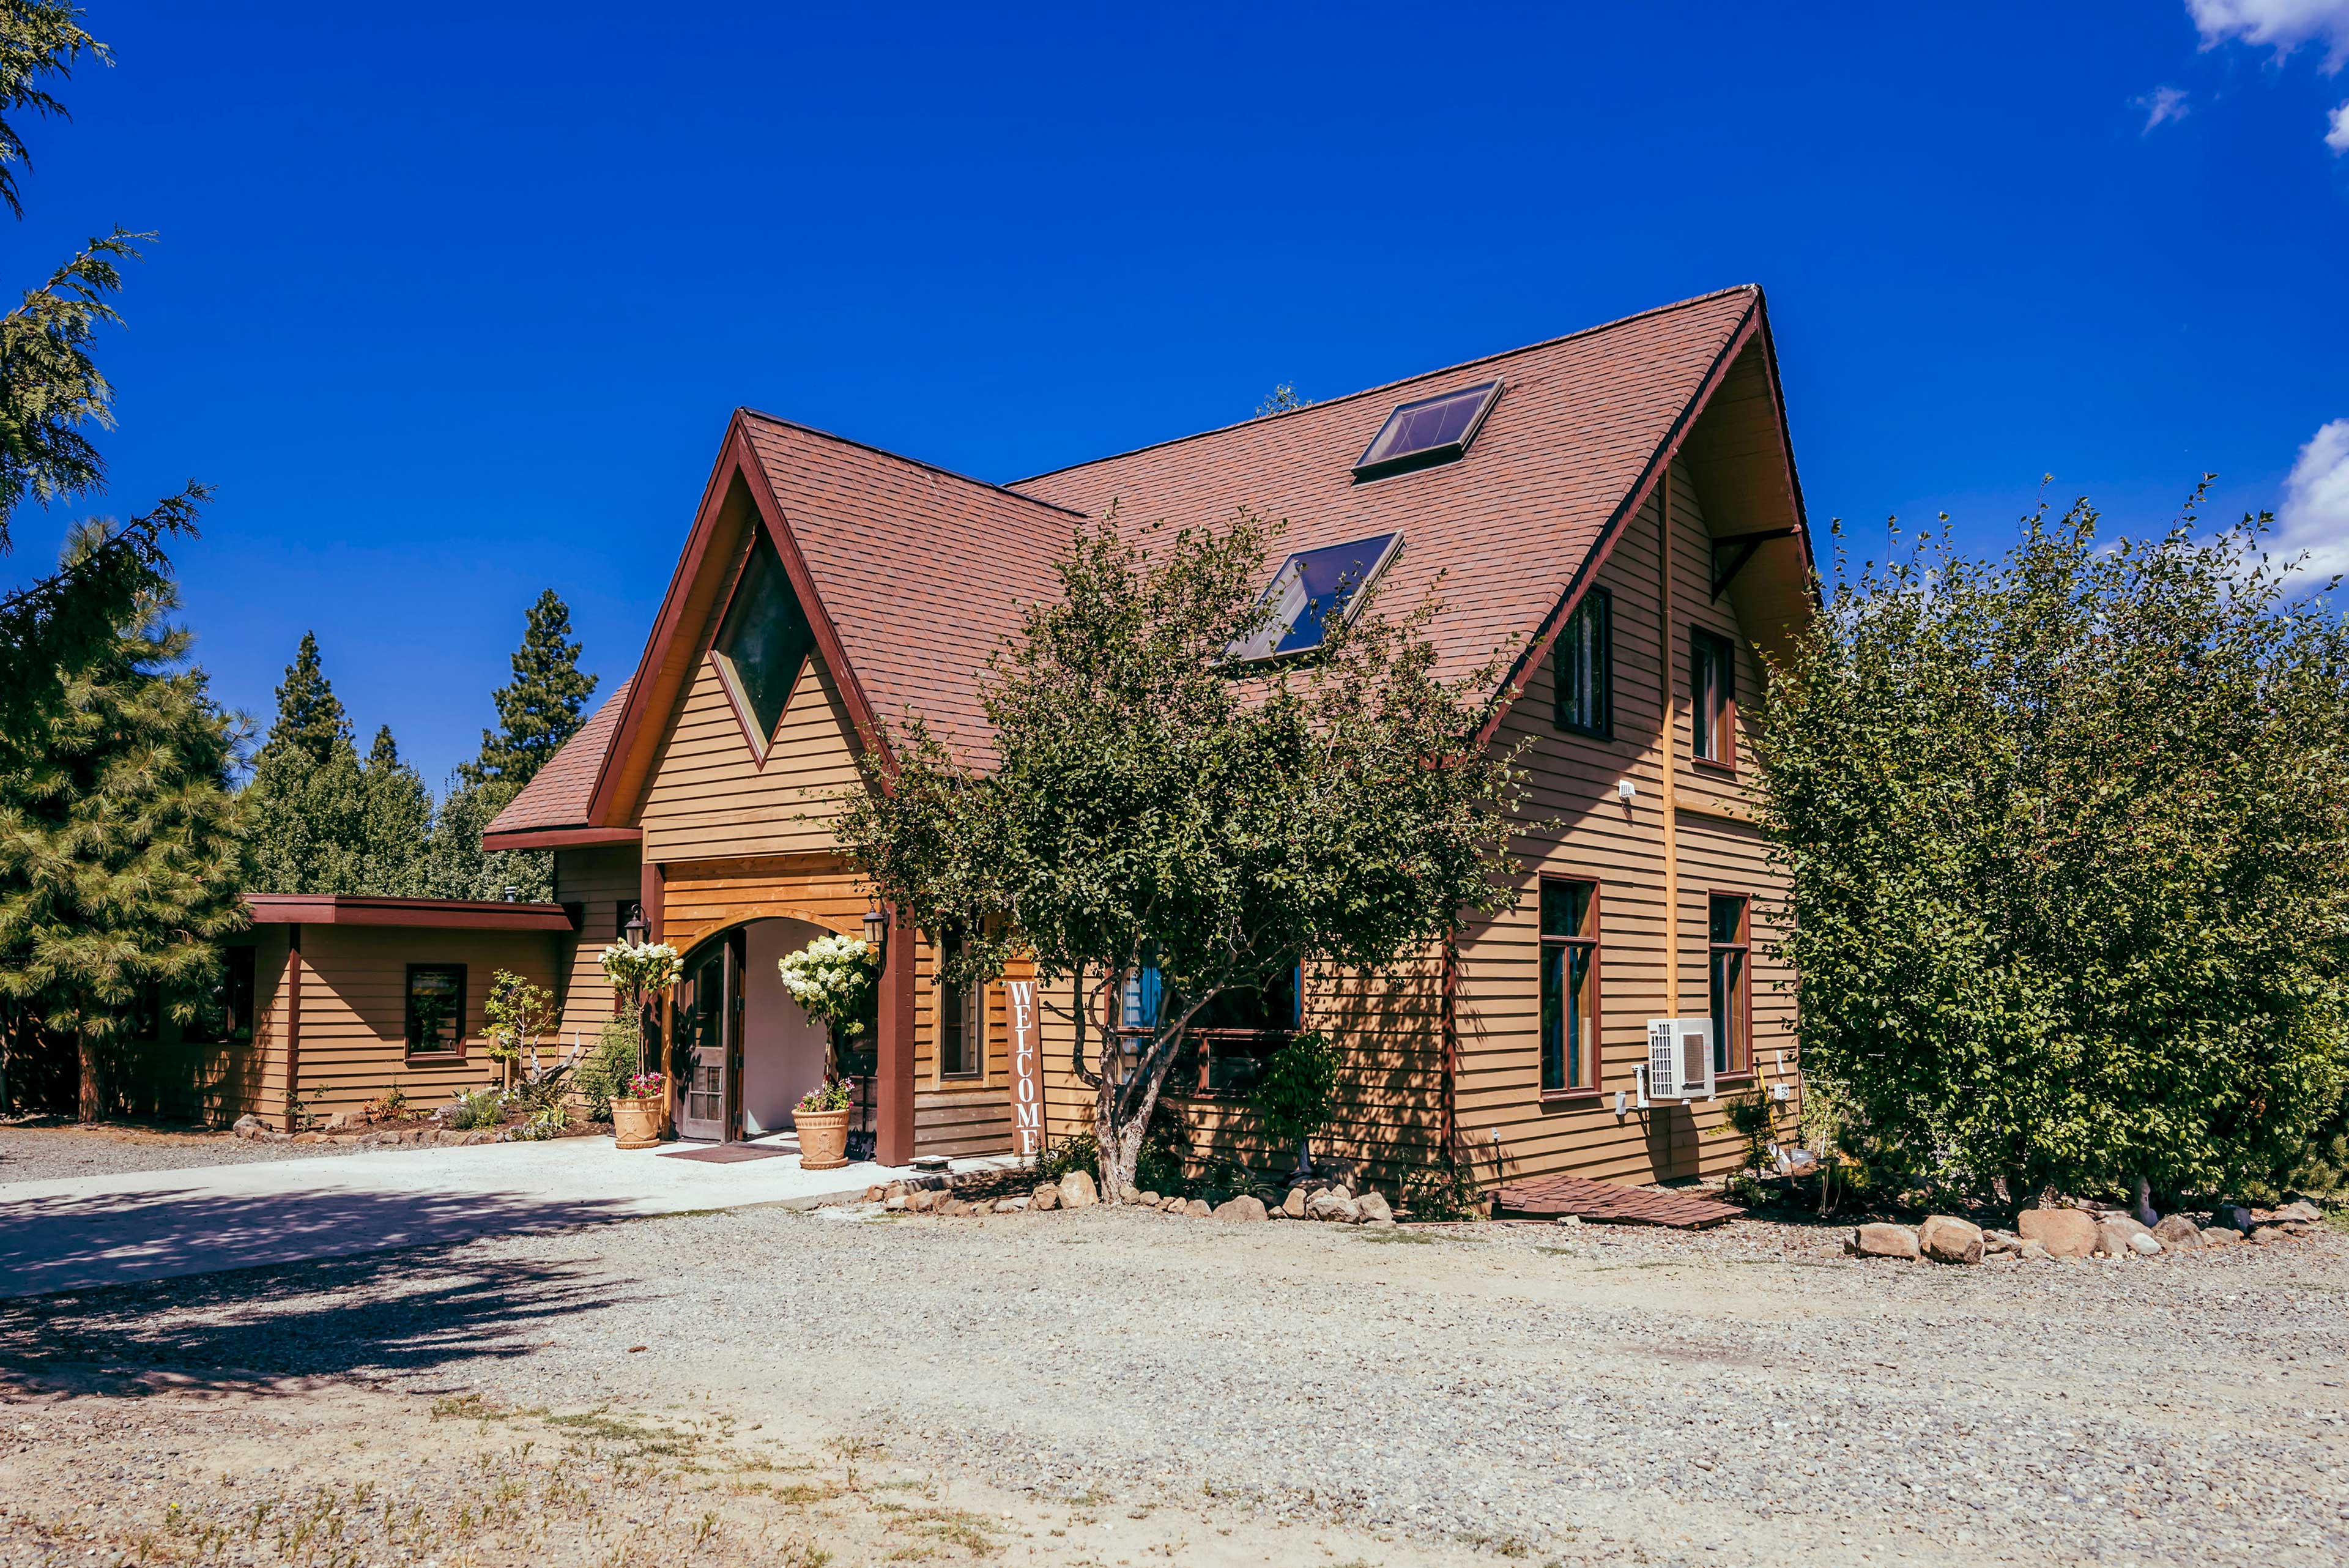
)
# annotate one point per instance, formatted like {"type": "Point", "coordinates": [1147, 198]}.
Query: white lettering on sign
{"type": "Point", "coordinates": [1027, 1069]}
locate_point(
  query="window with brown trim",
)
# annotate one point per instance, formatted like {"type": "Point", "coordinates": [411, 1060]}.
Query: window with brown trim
{"type": "Point", "coordinates": [1732, 965]}
{"type": "Point", "coordinates": [962, 1022]}
{"type": "Point", "coordinates": [1712, 699]}
{"type": "Point", "coordinates": [436, 1010]}
{"type": "Point", "coordinates": [1229, 1040]}
{"type": "Point", "coordinates": [224, 1012]}
{"type": "Point", "coordinates": [1569, 987]}
{"type": "Point", "coordinates": [1583, 668]}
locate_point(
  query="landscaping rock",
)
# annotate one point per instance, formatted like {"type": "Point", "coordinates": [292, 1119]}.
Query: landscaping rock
{"type": "Point", "coordinates": [1946, 1239]}
{"type": "Point", "coordinates": [1882, 1240]}
{"type": "Point", "coordinates": [1293, 1206]}
{"type": "Point", "coordinates": [1246, 1207]}
{"type": "Point", "coordinates": [2144, 1245]}
{"type": "Point", "coordinates": [1172, 1205]}
{"type": "Point", "coordinates": [310, 1137]}
{"type": "Point", "coordinates": [2220, 1236]}
{"type": "Point", "coordinates": [953, 1207]}
{"type": "Point", "coordinates": [1376, 1208]}
{"type": "Point", "coordinates": [1129, 1193]}
{"type": "Point", "coordinates": [2267, 1234]}
{"type": "Point", "coordinates": [1046, 1197]}
{"type": "Point", "coordinates": [894, 1203]}
{"type": "Point", "coordinates": [2236, 1217]}
{"type": "Point", "coordinates": [1149, 1199]}
{"type": "Point", "coordinates": [2303, 1210]}
{"type": "Point", "coordinates": [875, 1193]}
{"type": "Point", "coordinates": [1010, 1205]}
{"type": "Point", "coordinates": [2115, 1233]}
{"type": "Point", "coordinates": [1077, 1191]}
{"type": "Point", "coordinates": [1997, 1241]}
{"type": "Point", "coordinates": [2033, 1251]}
{"type": "Point", "coordinates": [1333, 1203]}
{"type": "Point", "coordinates": [1197, 1209]}
{"type": "Point", "coordinates": [2064, 1232]}
{"type": "Point", "coordinates": [2177, 1233]}
{"type": "Point", "coordinates": [247, 1126]}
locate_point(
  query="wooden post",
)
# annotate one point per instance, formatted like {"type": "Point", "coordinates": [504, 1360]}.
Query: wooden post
{"type": "Point", "coordinates": [1668, 672]}
{"type": "Point", "coordinates": [892, 1067]}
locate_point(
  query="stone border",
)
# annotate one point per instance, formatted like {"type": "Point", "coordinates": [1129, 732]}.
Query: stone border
{"type": "Point", "coordinates": [424, 1134]}
{"type": "Point", "coordinates": [2041, 1234]}
{"type": "Point", "coordinates": [996, 1192]}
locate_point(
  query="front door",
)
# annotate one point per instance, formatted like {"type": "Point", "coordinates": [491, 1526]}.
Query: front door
{"type": "Point", "coordinates": [709, 1040]}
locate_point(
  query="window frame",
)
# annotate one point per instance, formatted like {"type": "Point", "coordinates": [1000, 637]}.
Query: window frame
{"type": "Point", "coordinates": [1368, 469]}
{"type": "Point", "coordinates": [1715, 719]}
{"type": "Point", "coordinates": [1603, 686]}
{"type": "Point", "coordinates": [1571, 1093]}
{"type": "Point", "coordinates": [725, 665]}
{"type": "Point", "coordinates": [1236, 655]}
{"type": "Point", "coordinates": [241, 973]}
{"type": "Point", "coordinates": [1201, 1045]}
{"type": "Point", "coordinates": [1741, 1006]}
{"type": "Point", "coordinates": [454, 1054]}
{"type": "Point", "coordinates": [971, 1002]}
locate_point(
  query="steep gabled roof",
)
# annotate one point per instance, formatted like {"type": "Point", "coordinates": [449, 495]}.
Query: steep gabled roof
{"type": "Point", "coordinates": [911, 575]}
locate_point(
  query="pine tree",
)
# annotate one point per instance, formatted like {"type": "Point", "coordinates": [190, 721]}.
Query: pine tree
{"type": "Point", "coordinates": [305, 809]}
{"type": "Point", "coordinates": [119, 851]}
{"type": "Point", "coordinates": [542, 707]}
{"type": "Point", "coordinates": [398, 820]}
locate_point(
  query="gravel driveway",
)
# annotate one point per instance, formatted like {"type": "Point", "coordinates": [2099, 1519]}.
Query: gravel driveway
{"type": "Point", "coordinates": [46, 1153]}
{"type": "Point", "coordinates": [1744, 1395]}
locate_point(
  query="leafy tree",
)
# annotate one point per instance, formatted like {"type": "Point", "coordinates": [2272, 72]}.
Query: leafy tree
{"type": "Point", "coordinates": [2065, 837]}
{"type": "Point", "coordinates": [518, 1014]}
{"type": "Point", "coordinates": [306, 805]}
{"type": "Point", "coordinates": [542, 707]}
{"type": "Point", "coordinates": [456, 867]}
{"type": "Point", "coordinates": [1153, 807]}
{"type": "Point", "coordinates": [396, 822]}
{"type": "Point", "coordinates": [1280, 401]}
{"type": "Point", "coordinates": [51, 392]}
{"type": "Point", "coordinates": [118, 845]}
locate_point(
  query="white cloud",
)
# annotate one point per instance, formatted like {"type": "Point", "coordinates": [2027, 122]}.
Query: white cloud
{"type": "Point", "coordinates": [2280, 25]}
{"type": "Point", "coordinates": [2337, 137]}
{"type": "Point", "coordinates": [2314, 515]}
{"type": "Point", "coordinates": [2162, 105]}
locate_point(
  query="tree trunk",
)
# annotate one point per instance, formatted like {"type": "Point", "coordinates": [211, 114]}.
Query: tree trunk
{"type": "Point", "coordinates": [91, 1068]}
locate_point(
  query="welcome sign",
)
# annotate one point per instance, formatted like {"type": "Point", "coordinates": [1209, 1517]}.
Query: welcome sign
{"type": "Point", "coordinates": [1027, 1069]}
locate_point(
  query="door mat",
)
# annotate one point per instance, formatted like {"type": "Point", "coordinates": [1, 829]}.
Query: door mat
{"type": "Point", "coordinates": [728, 1153]}
{"type": "Point", "coordinates": [1612, 1203]}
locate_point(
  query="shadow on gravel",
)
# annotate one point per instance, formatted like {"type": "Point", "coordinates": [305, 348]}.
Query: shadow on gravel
{"type": "Point", "coordinates": [384, 1314]}
{"type": "Point", "coordinates": [49, 1245]}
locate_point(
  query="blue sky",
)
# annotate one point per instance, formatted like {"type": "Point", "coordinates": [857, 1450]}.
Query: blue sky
{"type": "Point", "coordinates": [451, 303]}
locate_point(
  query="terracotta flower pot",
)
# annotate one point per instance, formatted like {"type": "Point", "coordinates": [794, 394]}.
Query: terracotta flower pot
{"type": "Point", "coordinates": [823, 1138]}
{"type": "Point", "coordinates": [636, 1124]}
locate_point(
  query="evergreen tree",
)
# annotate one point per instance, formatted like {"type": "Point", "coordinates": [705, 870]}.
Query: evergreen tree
{"type": "Point", "coordinates": [395, 835]}
{"type": "Point", "coordinates": [305, 809]}
{"type": "Point", "coordinates": [456, 867]}
{"type": "Point", "coordinates": [119, 851]}
{"type": "Point", "coordinates": [543, 705]}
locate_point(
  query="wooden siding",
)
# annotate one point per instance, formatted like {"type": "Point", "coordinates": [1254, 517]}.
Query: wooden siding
{"type": "Point", "coordinates": [597, 881]}
{"type": "Point", "coordinates": [710, 796]}
{"type": "Point", "coordinates": [175, 1079]}
{"type": "Point", "coordinates": [355, 1009]}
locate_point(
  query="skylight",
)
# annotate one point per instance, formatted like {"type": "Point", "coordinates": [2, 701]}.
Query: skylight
{"type": "Point", "coordinates": [1429, 431]}
{"type": "Point", "coordinates": [1309, 586]}
{"type": "Point", "coordinates": [762, 644]}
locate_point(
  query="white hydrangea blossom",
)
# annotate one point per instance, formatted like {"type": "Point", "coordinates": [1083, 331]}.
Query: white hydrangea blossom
{"type": "Point", "coordinates": [639, 969]}
{"type": "Point", "coordinates": [831, 978]}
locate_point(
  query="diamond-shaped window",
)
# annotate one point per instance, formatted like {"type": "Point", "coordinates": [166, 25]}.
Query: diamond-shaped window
{"type": "Point", "coordinates": [761, 646]}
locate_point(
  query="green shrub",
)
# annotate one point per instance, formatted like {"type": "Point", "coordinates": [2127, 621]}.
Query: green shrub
{"type": "Point", "coordinates": [476, 1109]}
{"type": "Point", "coordinates": [1293, 1096]}
{"type": "Point", "coordinates": [1444, 1190]}
{"type": "Point", "coordinates": [605, 1070]}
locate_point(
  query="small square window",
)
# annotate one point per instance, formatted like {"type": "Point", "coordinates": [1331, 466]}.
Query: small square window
{"type": "Point", "coordinates": [436, 1008]}
{"type": "Point", "coordinates": [1583, 668]}
{"type": "Point", "coordinates": [1426, 432]}
{"type": "Point", "coordinates": [1310, 587]}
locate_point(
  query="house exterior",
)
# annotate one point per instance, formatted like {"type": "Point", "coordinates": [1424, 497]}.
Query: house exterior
{"type": "Point", "coordinates": [331, 1000]}
{"type": "Point", "coordinates": [1619, 506]}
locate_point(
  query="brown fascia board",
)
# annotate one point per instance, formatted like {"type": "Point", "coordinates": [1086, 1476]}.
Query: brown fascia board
{"type": "Point", "coordinates": [439, 914]}
{"type": "Point", "coordinates": [560, 837]}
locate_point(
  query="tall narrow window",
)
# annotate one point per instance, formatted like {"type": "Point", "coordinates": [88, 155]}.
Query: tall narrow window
{"type": "Point", "coordinates": [224, 1013]}
{"type": "Point", "coordinates": [1712, 699]}
{"type": "Point", "coordinates": [1733, 985]}
{"type": "Point", "coordinates": [962, 1023]}
{"type": "Point", "coordinates": [436, 1008]}
{"type": "Point", "coordinates": [1569, 987]}
{"type": "Point", "coordinates": [761, 646]}
{"type": "Point", "coordinates": [1583, 669]}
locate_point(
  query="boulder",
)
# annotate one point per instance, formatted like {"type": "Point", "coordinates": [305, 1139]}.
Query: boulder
{"type": "Point", "coordinates": [951, 1207]}
{"type": "Point", "coordinates": [1129, 1193]}
{"type": "Point", "coordinates": [921, 1200]}
{"type": "Point", "coordinates": [1946, 1239]}
{"type": "Point", "coordinates": [1333, 1203]}
{"type": "Point", "coordinates": [875, 1193]}
{"type": "Point", "coordinates": [1046, 1197]}
{"type": "Point", "coordinates": [2236, 1217]}
{"type": "Point", "coordinates": [1196, 1209]}
{"type": "Point", "coordinates": [2144, 1245]}
{"type": "Point", "coordinates": [2177, 1233]}
{"type": "Point", "coordinates": [1010, 1205]}
{"type": "Point", "coordinates": [1344, 1193]}
{"type": "Point", "coordinates": [2220, 1236]}
{"type": "Point", "coordinates": [1148, 1199]}
{"type": "Point", "coordinates": [1077, 1191]}
{"type": "Point", "coordinates": [2064, 1232]}
{"type": "Point", "coordinates": [2268, 1234]}
{"type": "Point", "coordinates": [1376, 1208]}
{"type": "Point", "coordinates": [895, 1190]}
{"type": "Point", "coordinates": [1172, 1205]}
{"type": "Point", "coordinates": [1294, 1204]}
{"type": "Point", "coordinates": [310, 1137]}
{"type": "Point", "coordinates": [2303, 1210]}
{"type": "Point", "coordinates": [1882, 1240]}
{"type": "Point", "coordinates": [2033, 1251]}
{"type": "Point", "coordinates": [1246, 1207]}
{"type": "Point", "coordinates": [247, 1126]}
{"type": "Point", "coordinates": [2115, 1231]}
{"type": "Point", "coordinates": [1997, 1241]}
{"type": "Point", "coordinates": [894, 1203]}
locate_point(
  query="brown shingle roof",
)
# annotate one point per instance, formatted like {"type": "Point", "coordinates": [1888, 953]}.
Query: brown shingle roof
{"type": "Point", "coordinates": [557, 796]}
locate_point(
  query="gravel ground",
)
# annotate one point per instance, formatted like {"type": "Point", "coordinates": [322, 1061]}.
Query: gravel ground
{"type": "Point", "coordinates": [43, 1152]}
{"type": "Point", "coordinates": [1557, 1395]}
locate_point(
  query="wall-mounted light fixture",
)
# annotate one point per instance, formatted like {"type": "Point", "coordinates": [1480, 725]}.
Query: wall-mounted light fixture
{"type": "Point", "coordinates": [1626, 791]}
{"type": "Point", "coordinates": [876, 926]}
{"type": "Point", "coordinates": [636, 930]}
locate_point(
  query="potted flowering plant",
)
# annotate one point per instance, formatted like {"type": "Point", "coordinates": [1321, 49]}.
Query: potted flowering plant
{"type": "Point", "coordinates": [638, 971]}
{"type": "Point", "coordinates": [836, 980]}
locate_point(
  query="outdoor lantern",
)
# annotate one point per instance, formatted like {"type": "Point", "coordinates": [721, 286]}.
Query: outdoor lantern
{"type": "Point", "coordinates": [635, 929]}
{"type": "Point", "coordinates": [876, 926]}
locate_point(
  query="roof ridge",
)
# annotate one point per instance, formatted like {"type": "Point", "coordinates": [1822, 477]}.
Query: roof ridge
{"type": "Point", "coordinates": [901, 457]}
{"type": "Point", "coordinates": [1751, 289]}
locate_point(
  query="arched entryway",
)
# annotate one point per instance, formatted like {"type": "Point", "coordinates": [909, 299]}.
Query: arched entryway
{"type": "Point", "coordinates": [745, 1053]}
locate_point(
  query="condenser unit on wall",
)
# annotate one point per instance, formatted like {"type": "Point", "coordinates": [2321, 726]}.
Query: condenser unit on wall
{"type": "Point", "coordinates": [1679, 1059]}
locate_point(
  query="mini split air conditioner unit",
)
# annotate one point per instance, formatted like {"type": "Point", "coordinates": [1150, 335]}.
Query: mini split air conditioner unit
{"type": "Point", "coordinates": [1679, 1059]}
